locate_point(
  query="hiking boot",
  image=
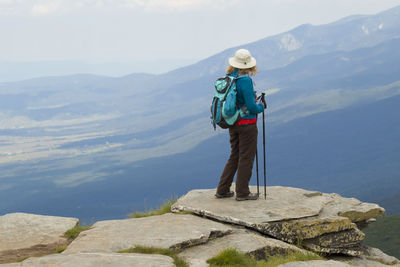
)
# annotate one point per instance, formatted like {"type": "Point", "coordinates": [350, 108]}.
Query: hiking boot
{"type": "Point", "coordinates": [251, 196]}
{"type": "Point", "coordinates": [229, 194]}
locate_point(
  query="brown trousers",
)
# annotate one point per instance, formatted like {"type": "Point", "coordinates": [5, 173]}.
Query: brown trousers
{"type": "Point", "coordinates": [243, 139]}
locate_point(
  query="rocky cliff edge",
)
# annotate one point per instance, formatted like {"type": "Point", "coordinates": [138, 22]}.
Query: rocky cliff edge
{"type": "Point", "coordinates": [288, 220]}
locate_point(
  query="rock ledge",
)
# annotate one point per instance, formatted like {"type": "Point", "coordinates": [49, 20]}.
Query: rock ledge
{"type": "Point", "coordinates": [322, 222]}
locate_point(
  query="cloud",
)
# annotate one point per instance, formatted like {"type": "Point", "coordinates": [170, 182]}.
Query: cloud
{"type": "Point", "coordinates": [47, 8]}
{"type": "Point", "coordinates": [164, 5]}
{"type": "Point", "coordinates": [32, 7]}
{"type": "Point", "coordinates": [176, 5]}
{"type": "Point", "coordinates": [7, 2]}
{"type": "Point", "coordinates": [8, 7]}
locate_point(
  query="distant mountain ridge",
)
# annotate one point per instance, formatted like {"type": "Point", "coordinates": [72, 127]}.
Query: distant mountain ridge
{"type": "Point", "coordinates": [282, 49]}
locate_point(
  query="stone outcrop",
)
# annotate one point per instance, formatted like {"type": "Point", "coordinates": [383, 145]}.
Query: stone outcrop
{"type": "Point", "coordinates": [318, 263]}
{"type": "Point", "coordinates": [345, 242]}
{"type": "Point", "coordinates": [23, 235]}
{"type": "Point", "coordinates": [97, 259]}
{"type": "Point", "coordinates": [258, 246]}
{"type": "Point", "coordinates": [374, 254]}
{"type": "Point", "coordinates": [371, 257]}
{"type": "Point", "coordinates": [323, 222]}
{"type": "Point", "coordinates": [334, 263]}
{"type": "Point", "coordinates": [165, 231]}
{"type": "Point", "coordinates": [312, 220]}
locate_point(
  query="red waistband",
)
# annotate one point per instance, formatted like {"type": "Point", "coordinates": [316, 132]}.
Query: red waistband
{"type": "Point", "coordinates": [246, 121]}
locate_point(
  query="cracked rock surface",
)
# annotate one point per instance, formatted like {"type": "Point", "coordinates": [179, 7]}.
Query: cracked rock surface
{"type": "Point", "coordinates": [165, 231]}
{"type": "Point", "coordinates": [375, 254]}
{"type": "Point", "coordinates": [248, 242]}
{"type": "Point", "coordinates": [344, 242]}
{"type": "Point", "coordinates": [325, 221]}
{"type": "Point", "coordinates": [317, 263]}
{"type": "Point", "coordinates": [358, 262]}
{"type": "Point", "coordinates": [96, 259]}
{"type": "Point", "coordinates": [23, 234]}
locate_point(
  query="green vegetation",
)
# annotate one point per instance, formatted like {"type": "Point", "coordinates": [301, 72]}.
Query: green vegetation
{"type": "Point", "coordinates": [75, 231]}
{"type": "Point", "coordinates": [164, 208]}
{"type": "Point", "coordinates": [61, 249]}
{"type": "Point", "coordinates": [233, 258]}
{"type": "Point", "coordinates": [179, 262]}
{"type": "Point", "coordinates": [295, 256]}
{"type": "Point", "coordinates": [22, 259]}
{"type": "Point", "coordinates": [384, 234]}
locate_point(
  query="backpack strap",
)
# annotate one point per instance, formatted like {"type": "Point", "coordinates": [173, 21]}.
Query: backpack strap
{"type": "Point", "coordinates": [242, 108]}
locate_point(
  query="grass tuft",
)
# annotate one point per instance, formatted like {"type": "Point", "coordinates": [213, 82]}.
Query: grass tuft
{"type": "Point", "coordinates": [22, 259]}
{"type": "Point", "coordinates": [178, 261]}
{"type": "Point", "coordinates": [61, 249]}
{"type": "Point", "coordinates": [75, 231]}
{"type": "Point", "coordinates": [164, 208]}
{"type": "Point", "coordinates": [233, 258]}
{"type": "Point", "coordinates": [295, 256]}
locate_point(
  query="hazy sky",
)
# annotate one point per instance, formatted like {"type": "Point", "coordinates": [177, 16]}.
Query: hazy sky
{"type": "Point", "coordinates": [98, 31]}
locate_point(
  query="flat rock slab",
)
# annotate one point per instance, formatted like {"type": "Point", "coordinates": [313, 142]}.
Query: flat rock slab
{"type": "Point", "coordinates": [97, 260]}
{"type": "Point", "coordinates": [351, 208]}
{"type": "Point", "coordinates": [282, 203]}
{"type": "Point", "coordinates": [245, 241]}
{"type": "Point", "coordinates": [24, 234]}
{"type": "Point", "coordinates": [344, 242]}
{"type": "Point", "coordinates": [164, 231]}
{"type": "Point", "coordinates": [317, 263]}
{"type": "Point", "coordinates": [333, 263]}
{"type": "Point", "coordinates": [378, 255]}
{"type": "Point", "coordinates": [369, 263]}
{"type": "Point", "coordinates": [289, 214]}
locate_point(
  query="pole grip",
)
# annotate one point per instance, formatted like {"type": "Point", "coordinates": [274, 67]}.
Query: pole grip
{"type": "Point", "coordinates": [263, 99]}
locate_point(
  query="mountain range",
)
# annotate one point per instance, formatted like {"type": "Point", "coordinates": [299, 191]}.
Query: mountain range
{"type": "Point", "coordinates": [98, 147]}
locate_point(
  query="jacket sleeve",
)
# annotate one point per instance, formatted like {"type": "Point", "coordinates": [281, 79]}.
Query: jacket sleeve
{"type": "Point", "coordinates": [246, 85]}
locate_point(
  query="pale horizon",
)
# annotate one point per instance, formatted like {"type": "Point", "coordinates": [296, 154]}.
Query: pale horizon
{"type": "Point", "coordinates": [152, 36]}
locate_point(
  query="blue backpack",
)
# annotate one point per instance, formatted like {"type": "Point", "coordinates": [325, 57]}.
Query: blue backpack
{"type": "Point", "coordinates": [224, 110]}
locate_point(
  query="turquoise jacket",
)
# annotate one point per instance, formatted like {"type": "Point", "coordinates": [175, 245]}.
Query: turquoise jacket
{"type": "Point", "coordinates": [246, 95]}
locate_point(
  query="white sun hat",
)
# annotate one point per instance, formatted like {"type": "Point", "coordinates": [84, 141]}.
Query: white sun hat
{"type": "Point", "coordinates": [242, 59]}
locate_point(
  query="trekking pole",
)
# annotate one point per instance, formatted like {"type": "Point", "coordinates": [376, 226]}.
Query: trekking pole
{"type": "Point", "coordinates": [265, 179]}
{"type": "Point", "coordinates": [258, 183]}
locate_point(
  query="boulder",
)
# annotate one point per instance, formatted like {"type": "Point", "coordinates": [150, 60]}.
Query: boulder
{"type": "Point", "coordinates": [335, 263]}
{"type": "Point", "coordinates": [344, 242]}
{"type": "Point", "coordinates": [376, 255]}
{"type": "Point", "coordinates": [370, 257]}
{"type": "Point", "coordinates": [23, 235]}
{"type": "Point", "coordinates": [290, 214]}
{"type": "Point", "coordinates": [256, 245]}
{"type": "Point", "coordinates": [367, 263]}
{"type": "Point", "coordinates": [165, 231]}
{"type": "Point", "coordinates": [96, 259]}
{"type": "Point", "coordinates": [301, 229]}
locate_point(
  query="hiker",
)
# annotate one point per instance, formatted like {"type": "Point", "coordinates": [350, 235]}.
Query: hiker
{"type": "Point", "coordinates": [243, 135]}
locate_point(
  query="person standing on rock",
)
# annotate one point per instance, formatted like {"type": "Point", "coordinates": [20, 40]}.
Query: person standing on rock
{"type": "Point", "coordinates": [243, 135]}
